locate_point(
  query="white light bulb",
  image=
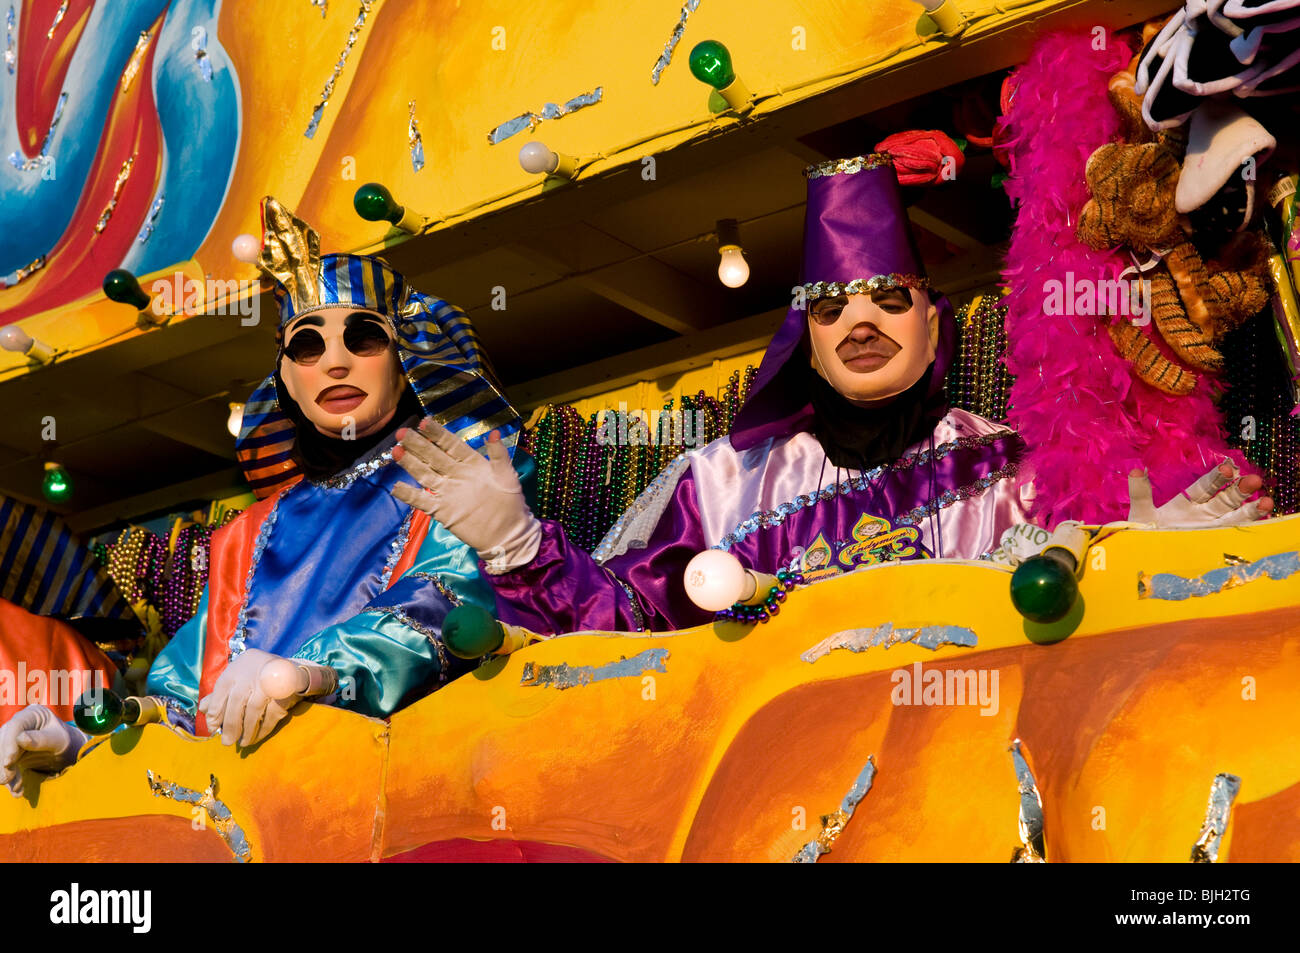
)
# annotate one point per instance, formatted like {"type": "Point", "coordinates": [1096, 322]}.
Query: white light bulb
{"type": "Point", "coordinates": [246, 248]}
{"type": "Point", "coordinates": [733, 270]}
{"type": "Point", "coordinates": [930, 5]}
{"type": "Point", "coordinates": [281, 679]}
{"type": "Point", "coordinates": [536, 158]}
{"type": "Point", "coordinates": [714, 580]}
{"type": "Point", "coordinates": [14, 338]}
{"type": "Point", "coordinates": [236, 419]}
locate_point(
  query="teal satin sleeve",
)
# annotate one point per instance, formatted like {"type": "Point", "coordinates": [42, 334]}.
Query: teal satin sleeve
{"type": "Point", "coordinates": [391, 653]}
{"type": "Point", "coordinates": [175, 672]}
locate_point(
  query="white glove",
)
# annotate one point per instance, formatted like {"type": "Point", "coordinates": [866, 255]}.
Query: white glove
{"type": "Point", "coordinates": [479, 500]}
{"type": "Point", "coordinates": [238, 708]}
{"type": "Point", "coordinates": [35, 739]}
{"type": "Point", "coordinates": [1216, 499]}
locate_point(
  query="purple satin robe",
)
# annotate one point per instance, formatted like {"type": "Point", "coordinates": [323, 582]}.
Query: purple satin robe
{"type": "Point", "coordinates": [779, 504]}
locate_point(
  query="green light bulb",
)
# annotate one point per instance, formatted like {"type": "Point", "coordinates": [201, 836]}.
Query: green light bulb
{"type": "Point", "coordinates": [121, 286]}
{"type": "Point", "coordinates": [470, 632]}
{"type": "Point", "coordinates": [1043, 589]}
{"type": "Point", "coordinates": [375, 203]}
{"type": "Point", "coordinates": [98, 711]}
{"type": "Point", "coordinates": [711, 64]}
{"type": "Point", "coordinates": [57, 485]}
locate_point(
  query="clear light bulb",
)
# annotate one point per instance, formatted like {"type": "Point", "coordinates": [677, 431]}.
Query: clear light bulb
{"type": "Point", "coordinates": [236, 419]}
{"type": "Point", "coordinates": [733, 270]}
{"type": "Point", "coordinates": [246, 248]}
{"type": "Point", "coordinates": [536, 158]}
{"type": "Point", "coordinates": [14, 338]}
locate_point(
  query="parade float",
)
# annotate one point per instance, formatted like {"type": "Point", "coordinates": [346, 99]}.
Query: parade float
{"type": "Point", "coordinates": [1136, 705]}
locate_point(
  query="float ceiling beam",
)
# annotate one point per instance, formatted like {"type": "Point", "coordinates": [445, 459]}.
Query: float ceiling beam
{"type": "Point", "coordinates": [635, 281]}
{"type": "Point", "coordinates": [649, 363]}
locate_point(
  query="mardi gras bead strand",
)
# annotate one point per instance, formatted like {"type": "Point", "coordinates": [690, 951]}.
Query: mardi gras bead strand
{"type": "Point", "coordinates": [749, 613]}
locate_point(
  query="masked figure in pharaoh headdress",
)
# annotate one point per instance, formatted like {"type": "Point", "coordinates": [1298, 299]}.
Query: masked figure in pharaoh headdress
{"type": "Point", "coordinates": [328, 569]}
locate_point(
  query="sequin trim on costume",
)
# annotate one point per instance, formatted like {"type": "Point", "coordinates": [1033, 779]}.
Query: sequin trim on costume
{"type": "Point", "coordinates": [395, 550]}
{"type": "Point", "coordinates": [950, 497]}
{"type": "Point", "coordinates": [816, 290]}
{"type": "Point", "coordinates": [647, 508]}
{"type": "Point", "coordinates": [637, 614]}
{"type": "Point", "coordinates": [849, 166]}
{"type": "Point", "coordinates": [440, 585]}
{"type": "Point", "coordinates": [345, 479]}
{"type": "Point", "coordinates": [434, 638]}
{"type": "Point", "coordinates": [775, 517]}
{"type": "Point", "coordinates": [263, 537]}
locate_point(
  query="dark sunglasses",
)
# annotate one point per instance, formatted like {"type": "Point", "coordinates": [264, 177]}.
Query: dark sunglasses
{"type": "Point", "coordinates": [361, 338]}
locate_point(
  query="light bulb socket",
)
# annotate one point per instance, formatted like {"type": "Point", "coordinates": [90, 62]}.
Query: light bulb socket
{"type": "Point", "coordinates": [566, 166]}
{"type": "Point", "coordinates": [411, 221]}
{"type": "Point", "coordinates": [146, 320]}
{"type": "Point", "coordinates": [737, 96]}
{"type": "Point", "coordinates": [40, 353]}
{"type": "Point", "coordinates": [946, 18]}
{"type": "Point", "coordinates": [728, 234]}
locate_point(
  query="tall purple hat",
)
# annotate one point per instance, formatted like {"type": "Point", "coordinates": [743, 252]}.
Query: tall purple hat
{"type": "Point", "coordinates": [856, 240]}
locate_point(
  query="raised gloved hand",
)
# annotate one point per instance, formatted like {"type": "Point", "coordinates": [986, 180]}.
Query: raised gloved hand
{"type": "Point", "coordinates": [238, 708]}
{"type": "Point", "coordinates": [477, 499]}
{"type": "Point", "coordinates": [35, 739]}
{"type": "Point", "coordinates": [1216, 499]}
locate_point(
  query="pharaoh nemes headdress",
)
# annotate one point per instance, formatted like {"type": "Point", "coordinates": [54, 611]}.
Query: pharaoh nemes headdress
{"type": "Point", "coordinates": [439, 351]}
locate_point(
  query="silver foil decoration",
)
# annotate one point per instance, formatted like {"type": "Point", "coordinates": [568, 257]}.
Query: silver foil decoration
{"type": "Point", "coordinates": [122, 175]}
{"type": "Point", "coordinates": [859, 640]}
{"type": "Point", "coordinates": [11, 54]}
{"type": "Point", "coordinates": [1031, 849]}
{"type": "Point", "coordinates": [328, 91]}
{"type": "Point", "coordinates": [1164, 585]}
{"type": "Point", "coordinates": [200, 47]}
{"type": "Point", "coordinates": [530, 120]}
{"type": "Point", "coordinates": [132, 69]}
{"type": "Point", "coordinates": [833, 824]}
{"type": "Point", "coordinates": [1223, 791]}
{"type": "Point", "coordinates": [58, 18]}
{"type": "Point", "coordinates": [666, 56]}
{"type": "Point", "coordinates": [217, 812]}
{"type": "Point", "coordinates": [27, 165]}
{"type": "Point", "coordinates": [11, 279]}
{"type": "Point", "coordinates": [147, 229]}
{"type": "Point", "coordinates": [413, 139]}
{"type": "Point", "coordinates": [564, 676]}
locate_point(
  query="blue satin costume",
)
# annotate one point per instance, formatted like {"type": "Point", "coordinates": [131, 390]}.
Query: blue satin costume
{"type": "Point", "coordinates": [319, 585]}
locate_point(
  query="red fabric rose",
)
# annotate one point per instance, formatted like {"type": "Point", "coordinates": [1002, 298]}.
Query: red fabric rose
{"type": "Point", "coordinates": [923, 157]}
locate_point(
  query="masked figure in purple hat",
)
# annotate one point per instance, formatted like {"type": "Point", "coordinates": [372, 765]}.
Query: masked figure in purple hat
{"type": "Point", "coordinates": [845, 455]}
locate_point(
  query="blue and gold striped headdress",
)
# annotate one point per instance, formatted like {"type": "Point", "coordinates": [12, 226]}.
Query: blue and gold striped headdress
{"type": "Point", "coordinates": [439, 351]}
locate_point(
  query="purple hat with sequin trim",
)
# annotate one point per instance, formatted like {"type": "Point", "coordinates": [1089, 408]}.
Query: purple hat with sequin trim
{"type": "Point", "coordinates": [856, 240]}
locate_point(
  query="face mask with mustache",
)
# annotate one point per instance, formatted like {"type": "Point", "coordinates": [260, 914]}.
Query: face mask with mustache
{"type": "Point", "coordinates": [871, 348]}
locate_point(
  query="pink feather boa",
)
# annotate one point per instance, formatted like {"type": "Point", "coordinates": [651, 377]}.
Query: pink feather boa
{"type": "Point", "coordinates": [1088, 420]}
